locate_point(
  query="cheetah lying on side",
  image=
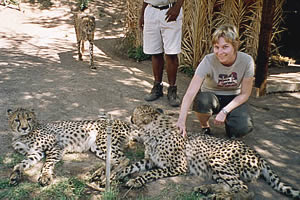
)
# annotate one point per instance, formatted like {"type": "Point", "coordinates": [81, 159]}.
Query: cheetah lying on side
{"type": "Point", "coordinates": [51, 140]}
{"type": "Point", "coordinates": [167, 153]}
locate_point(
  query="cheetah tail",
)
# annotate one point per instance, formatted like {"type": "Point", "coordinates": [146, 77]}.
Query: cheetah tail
{"type": "Point", "coordinates": [272, 178]}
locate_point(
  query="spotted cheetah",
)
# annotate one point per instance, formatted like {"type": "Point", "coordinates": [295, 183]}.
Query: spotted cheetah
{"type": "Point", "coordinates": [85, 26]}
{"type": "Point", "coordinates": [51, 140]}
{"type": "Point", "coordinates": [167, 153]}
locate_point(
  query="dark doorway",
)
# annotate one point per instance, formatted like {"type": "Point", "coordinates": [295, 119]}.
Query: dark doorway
{"type": "Point", "coordinates": [290, 39]}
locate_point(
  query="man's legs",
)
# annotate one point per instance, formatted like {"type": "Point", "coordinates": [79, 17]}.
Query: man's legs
{"type": "Point", "coordinates": [172, 67]}
{"type": "Point", "coordinates": [157, 68]}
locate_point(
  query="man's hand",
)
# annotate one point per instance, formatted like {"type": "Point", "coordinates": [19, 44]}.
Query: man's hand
{"type": "Point", "coordinates": [172, 13]}
{"type": "Point", "coordinates": [141, 20]}
{"type": "Point", "coordinates": [141, 23]}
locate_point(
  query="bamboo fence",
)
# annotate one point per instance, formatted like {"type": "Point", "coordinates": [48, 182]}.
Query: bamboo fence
{"type": "Point", "coordinates": [201, 17]}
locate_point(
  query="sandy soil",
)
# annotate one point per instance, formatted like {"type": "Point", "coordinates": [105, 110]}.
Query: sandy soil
{"type": "Point", "coordinates": [39, 70]}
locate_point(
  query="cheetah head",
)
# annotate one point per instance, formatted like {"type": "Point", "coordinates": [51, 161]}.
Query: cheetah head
{"type": "Point", "coordinates": [143, 115]}
{"type": "Point", "coordinates": [21, 121]}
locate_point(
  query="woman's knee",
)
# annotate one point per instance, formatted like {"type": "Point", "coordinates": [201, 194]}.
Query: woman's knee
{"type": "Point", "coordinates": [239, 129]}
{"type": "Point", "coordinates": [205, 102]}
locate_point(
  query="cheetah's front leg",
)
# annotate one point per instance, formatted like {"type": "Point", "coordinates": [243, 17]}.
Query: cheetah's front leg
{"type": "Point", "coordinates": [141, 165]}
{"type": "Point", "coordinates": [155, 174]}
{"type": "Point", "coordinates": [151, 175]}
{"type": "Point", "coordinates": [79, 50]}
{"type": "Point", "coordinates": [91, 50]}
{"type": "Point", "coordinates": [118, 163]}
{"type": "Point", "coordinates": [32, 159]}
{"type": "Point", "coordinates": [52, 157]}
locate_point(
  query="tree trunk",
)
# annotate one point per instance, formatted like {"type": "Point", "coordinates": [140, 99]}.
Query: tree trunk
{"type": "Point", "coordinates": [264, 47]}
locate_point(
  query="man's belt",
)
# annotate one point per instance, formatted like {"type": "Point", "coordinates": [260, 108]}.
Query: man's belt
{"type": "Point", "coordinates": [164, 7]}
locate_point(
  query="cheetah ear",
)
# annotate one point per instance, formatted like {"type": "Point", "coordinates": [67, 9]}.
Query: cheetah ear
{"type": "Point", "coordinates": [9, 112]}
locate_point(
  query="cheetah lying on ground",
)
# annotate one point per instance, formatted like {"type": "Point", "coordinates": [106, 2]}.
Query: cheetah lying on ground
{"type": "Point", "coordinates": [51, 140]}
{"type": "Point", "coordinates": [167, 153]}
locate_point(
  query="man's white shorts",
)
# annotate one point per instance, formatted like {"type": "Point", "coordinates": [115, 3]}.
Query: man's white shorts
{"type": "Point", "coordinates": [159, 35]}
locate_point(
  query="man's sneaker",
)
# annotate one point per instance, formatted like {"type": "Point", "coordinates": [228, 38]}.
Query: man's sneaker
{"type": "Point", "coordinates": [172, 96]}
{"type": "Point", "coordinates": [156, 92]}
{"type": "Point", "coordinates": [206, 131]}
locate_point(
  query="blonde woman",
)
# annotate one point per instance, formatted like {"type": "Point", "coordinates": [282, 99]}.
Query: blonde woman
{"type": "Point", "coordinates": [221, 85]}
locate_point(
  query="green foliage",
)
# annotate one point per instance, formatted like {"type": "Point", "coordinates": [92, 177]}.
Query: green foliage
{"type": "Point", "coordinates": [188, 70]}
{"type": "Point", "coordinates": [110, 195]}
{"type": "Point", "coordinates": [44, 4]}
{"type": "Point", "coordinates": [11, 161]}
{"type": "Point", "coordinates": [135, 154]}
{"type": "Point", "coordinates": [83, 4]}
{"type": "Point", "coordinates": [20, 192]}
{"type": "Point", "coordinates": [138, 54]}
{"type": "Point", "coordinates": [71, 188]}
{"type": "Point", "coordinates": [4, 183]}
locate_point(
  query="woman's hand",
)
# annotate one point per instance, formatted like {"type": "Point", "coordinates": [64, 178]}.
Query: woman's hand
{"type": "Point", "coordinates": [220, 118]}
{"type": "Point", "coordinates": [181, 126]}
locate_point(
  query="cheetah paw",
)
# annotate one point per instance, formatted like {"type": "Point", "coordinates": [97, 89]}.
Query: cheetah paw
{"type": "Point", "coordinates": [15, 177]}
{"type": "Point", "coordinates": [99, 174]}
{"type": "Point", "coordinates": [135, 183]}
{"type": "Point", "coordinates": [93, 68]}
{"type": "Point", "coordinates": [203, 189]}
{"type": "Point", "coordinates": [45, 179]}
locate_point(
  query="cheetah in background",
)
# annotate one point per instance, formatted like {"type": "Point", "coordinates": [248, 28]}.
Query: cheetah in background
{"type": "Point", "coordinates": [85, 26]}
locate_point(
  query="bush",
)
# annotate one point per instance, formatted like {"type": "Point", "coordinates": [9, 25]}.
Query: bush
{"type": "Point", "coordinates": [138, 54]}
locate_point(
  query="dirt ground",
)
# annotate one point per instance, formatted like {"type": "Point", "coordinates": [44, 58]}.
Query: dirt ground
{"type": "Point", "coordinates": [39, 70]}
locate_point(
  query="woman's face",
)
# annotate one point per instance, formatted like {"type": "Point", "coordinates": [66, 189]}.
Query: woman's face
{"type": "Point", "coordinates": [225, 52]}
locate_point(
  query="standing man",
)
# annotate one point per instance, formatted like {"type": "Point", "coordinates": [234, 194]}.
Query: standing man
{"type": "Point", "coordinates": [161, 22]}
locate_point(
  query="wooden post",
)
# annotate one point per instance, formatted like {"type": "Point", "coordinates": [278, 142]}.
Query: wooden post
{"type": "Point", "coordinates": [108, 153]}
{"type": "Point", "coordinates": [263, 53]}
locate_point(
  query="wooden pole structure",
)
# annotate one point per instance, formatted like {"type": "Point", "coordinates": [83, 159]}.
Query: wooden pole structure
{"type": "Point", "coordinates": [108, 153]}
{"type": "Point", "coordinates": [264, 47]}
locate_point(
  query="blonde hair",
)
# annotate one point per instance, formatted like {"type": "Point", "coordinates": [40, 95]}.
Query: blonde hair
{"type": "Point", "coordinates": [229, 33]}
